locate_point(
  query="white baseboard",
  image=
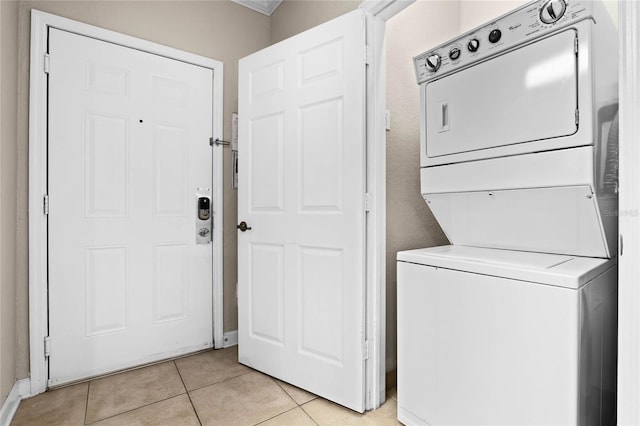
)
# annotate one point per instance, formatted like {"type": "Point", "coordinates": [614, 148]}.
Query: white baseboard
{"type": "Point", "coordinates": [230, 339]}
{"type": "Point", "coordinates": [21, 389]}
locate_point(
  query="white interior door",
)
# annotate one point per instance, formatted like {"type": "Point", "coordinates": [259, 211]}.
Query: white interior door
{"type": "Point", "coordinates": [128, 150]}
{"type": "Point", "coordinates": [301, 191]}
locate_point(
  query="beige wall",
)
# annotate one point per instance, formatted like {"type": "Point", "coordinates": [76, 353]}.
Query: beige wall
{"type": "Point", "coordinates": [474, 13]}
{"type": "Point", "coordinates": [410, 223]}
{"type": "Point", "coordinates": [217, 29]}
{"type": "Point", "coordinates": [8, 130]}
{"type": "Point", "coordinates": [295, 16]}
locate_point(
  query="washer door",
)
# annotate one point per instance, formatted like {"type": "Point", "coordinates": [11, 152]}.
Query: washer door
{"type": "Point", "coordinates": [526, 95]}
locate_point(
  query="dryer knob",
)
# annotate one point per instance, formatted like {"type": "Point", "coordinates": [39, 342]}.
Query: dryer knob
{"type": "Point", "coordinates": [495, 35]}
{"type": "Point", "coordinates": [473, 45]}
{"type": "Point", "coordinates": [552, 11]}
{"type": "Point", "coordinates": [433, 62]}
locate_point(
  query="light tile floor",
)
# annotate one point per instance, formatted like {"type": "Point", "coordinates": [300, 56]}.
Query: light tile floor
{"type": "Point", "coordinates": [208, 388]}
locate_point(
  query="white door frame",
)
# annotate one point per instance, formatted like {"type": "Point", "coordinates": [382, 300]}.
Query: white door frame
{"type": "Point", "coordinates": [377, 12]}
{"type": "Point", "coordinates": [38, 311]}
{"type": "Point", "coordinates": [629, 217]}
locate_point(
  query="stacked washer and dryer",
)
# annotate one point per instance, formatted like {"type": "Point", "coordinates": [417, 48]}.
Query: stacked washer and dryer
{"type": "Point", "coordinates": [515, 321]}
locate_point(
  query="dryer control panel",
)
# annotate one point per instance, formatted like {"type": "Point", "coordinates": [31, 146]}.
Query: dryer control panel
{"type": "Point", "coordinates": [520, 26]}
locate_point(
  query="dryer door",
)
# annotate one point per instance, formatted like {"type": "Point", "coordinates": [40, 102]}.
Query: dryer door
{"type": "Point", "coordinates": [526, 95]}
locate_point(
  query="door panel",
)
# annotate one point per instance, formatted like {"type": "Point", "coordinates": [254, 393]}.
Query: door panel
{"type": "Point", "coordinates": [266, 295]}
{"type": "Point", "coordinates": [322, 304]}
{"type": "Point", "coordinates": [106, 289]}
{"type": "Point", "coordinates": [321, 158]}
{"type": "Point", "coordinates": [267, 184]}
{"type": "Point", "coordinates": [302, 184]}
{"type": "Point", "coordinates": [467, 113]}
{"type": "Point", "coordinates": [128, 148]}
{"type": "Point", "coordinates": [106, 158]}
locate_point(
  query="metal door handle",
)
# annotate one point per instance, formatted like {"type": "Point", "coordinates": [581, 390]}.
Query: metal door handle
{"type": "Point", "coordinates": [243, 226]}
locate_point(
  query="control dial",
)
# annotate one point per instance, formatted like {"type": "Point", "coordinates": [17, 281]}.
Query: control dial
{"type": "Point", "coordinates": [495, 35]}
{"type": "Point", "coordinates": [454, 53]}
{"type": "Point", "coordinates": [552, 11]}
{"type": "Point", "coordinates": [433, 62]}
{"type": "Point", "coordinates": [473, 45]}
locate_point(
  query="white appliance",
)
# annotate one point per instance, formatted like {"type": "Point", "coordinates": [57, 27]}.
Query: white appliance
{"type": "Point", "coordinates": [515, 323]}
{"type": "Point", "coordinates": [501, 337]}
{"type": "Point", "coordinates": [514, 148]}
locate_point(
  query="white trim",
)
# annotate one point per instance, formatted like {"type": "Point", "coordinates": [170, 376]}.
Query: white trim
{"type": "Point", "coordinates": [629, 218]}
{"type": "Point", "coordinates": [385, 9]}
{"type": "Point", "coordinates": [217, 199]}
{"type": "Point", "coordinates": [37, 221]}
{"type": "Point", "coordinates": [40, 22]}
{"type": "Point", "coordinates": [266, 7]}
{"type": "Point", "coordinates": [377, 13]}
{"type": "Point", "coordinates": [230, 339]}
{"type": "Point", "coordinates": [20, 390]}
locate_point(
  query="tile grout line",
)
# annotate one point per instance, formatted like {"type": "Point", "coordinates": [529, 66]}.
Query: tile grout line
{"type": "Point", "coordinates": [137, 408]}
{"type": "Point", "coordinates": [283, 390]}
{"type": "Point", "coordinates": [188, 394]}
{"type": "Point", "coordinates": [286, 393]}
{"type": "Point", "coordinates": [299, 405]}
{"type": "Point", "coordinates": [279, 414]}
{"type": "Point", "coordinates": [97, 378]}
{"type": "Point", "coordinates": [309, 415]}
{"type": "Point", "coordinates": [216, 383]}
{"type": "Point", "coordinates": [142, 406]}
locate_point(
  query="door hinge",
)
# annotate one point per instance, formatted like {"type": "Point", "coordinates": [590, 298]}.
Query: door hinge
{"type": "Point", "coordinates": [365, 350]}
{"type": "Point", "coordinates": [367, 55]}
{"type": "Point", "coordinates": [47, 63]}
{"type": "Point", "coordinates": [575, 46]}
{"type": "Point", "coordinates": [577, 116]}
{"type": "Point", "coordinates": [45, 204]}
{"type": "Point", "coordinates": [47, 346]}
{"type": "Point", "coordinates": [368, 202]}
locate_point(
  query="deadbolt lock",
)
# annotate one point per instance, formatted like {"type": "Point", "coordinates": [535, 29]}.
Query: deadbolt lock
{"type": "Point", "coordinates": [204, 215]}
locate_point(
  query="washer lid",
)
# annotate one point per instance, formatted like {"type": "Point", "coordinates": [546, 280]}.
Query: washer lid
{"type": "Point", "coordinates": [551, 269]}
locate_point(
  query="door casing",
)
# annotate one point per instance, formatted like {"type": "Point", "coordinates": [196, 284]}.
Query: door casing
{"type": "Point", "coordinates": [629, 208]}
{"type": "Point", "coordinates": [38, 311]}
{"type": "Point", "coordinates": [378, 12]}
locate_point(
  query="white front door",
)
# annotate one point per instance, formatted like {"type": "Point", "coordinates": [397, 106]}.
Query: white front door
{"type": "Point", "coordinates": [301, 266]}
{"type": "Point", "coordinates": [128, 153]}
